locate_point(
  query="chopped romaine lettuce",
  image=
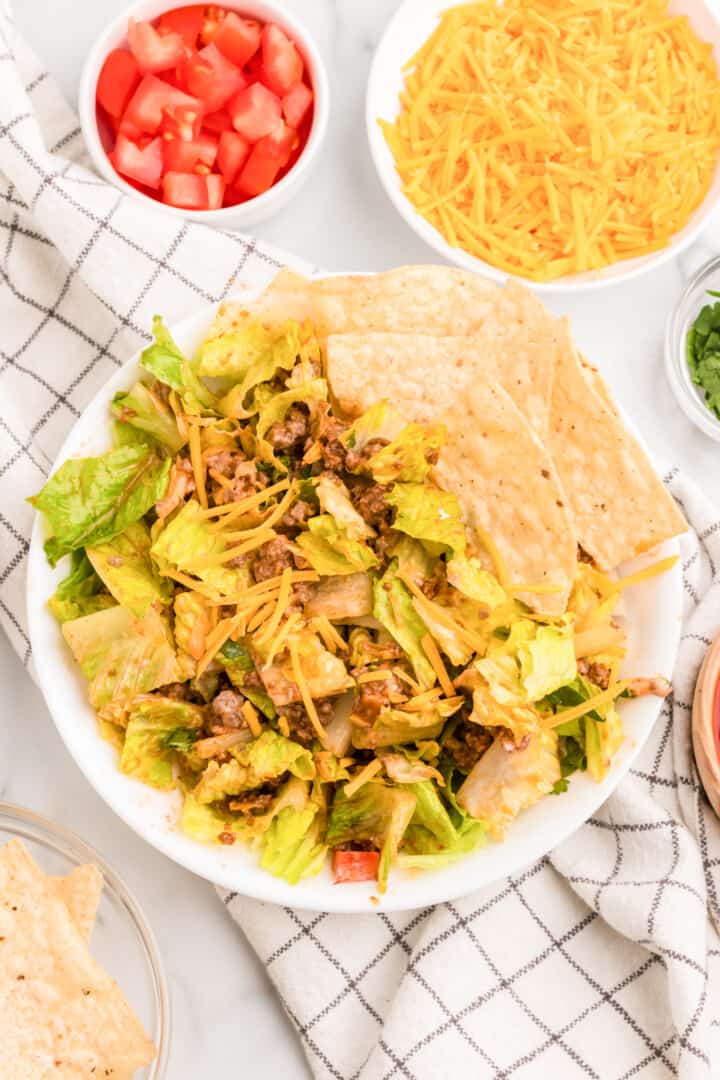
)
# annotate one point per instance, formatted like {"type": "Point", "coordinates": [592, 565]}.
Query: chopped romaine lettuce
{"type": "Point", "coordinates": [125, 566]}
{"type": "Point", "coordinates": [207, 823]}
{"type": "Point", "coordinates": [266, 758]}
{"type": "Point", "coordinates": [277, 406]}
{"type": "Point", "coordinates": [122, 656]}
{"type": "Point", "coordinates": [342, 596]}
{"type": "Point", "coordinates": [293, 846]}
{"type": "Point", "coordinates": [90, 500]}
{"type": "Point", "coordinates": [393, 727]}
{"type": "Point", "coordinates": [331, 550]}
{"type": "Point", "coordinates": [165, 361]}
{"type": "Point", "coordinates": [142, 410]}
{"type": "Point", "coordinates": [408, 457]}
{"type": "Point", "coordinates": [151, 738]}
{"type": "Point", "coordinates": [430, 515]}
{"type": "Point", "coordinates": [187, 538]}
{"type": "Point", "coordinates": [394, 609]}
{"type": "Point", "coordinates": [380, 421]}
{"type": "Point", "coordinates": [324, 673]}
{"type": "Point", "coordinates": [81, 592]}
{"type": "Point", "coordinates": [547, 662]}
{"type": "Point", "coordinates": [468, 576]}
{"type": "Point", "coordinates": [334, 499]}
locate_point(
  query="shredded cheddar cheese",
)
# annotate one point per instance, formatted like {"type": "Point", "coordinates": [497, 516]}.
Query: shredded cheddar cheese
{"type": "Point", "coordinates": [253, 719]}
{"type": "Point", "coordinates": [371, 769]}
{"type": "Point", "coordinates": [305, 693]}
{"type": "Point", "coordinates": [431, 651]}
{"type": "Point", "coordinates": [291, 624]}
{"type": "Point", "coordinates": [599, 701]}
{"type": "Point", "coordinates": [283, 601]}
{"type": "Point", "coordinates": [329, 634]}
{"type": "Point", "coordinates": [552, 139]}
{"type": "Point", "coordinates": [198, 465]}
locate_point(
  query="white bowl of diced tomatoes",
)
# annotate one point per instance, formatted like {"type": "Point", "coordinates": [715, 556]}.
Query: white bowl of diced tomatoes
{"type": "Point", "coordinates": [216, 112]}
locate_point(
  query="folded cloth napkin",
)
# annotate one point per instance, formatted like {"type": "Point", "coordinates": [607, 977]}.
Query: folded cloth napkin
{"type": "Point", "coordinates": [600, 960]}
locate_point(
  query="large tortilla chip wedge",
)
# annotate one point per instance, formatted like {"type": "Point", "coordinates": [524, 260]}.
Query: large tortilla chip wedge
{"type": "Point", "coordinates": [429, 374]}
{"type": "Point", "coordinates": [619, 505]}
{"type": "Point", "coordinates": [62, 1015]}
{"type": "Point", "coordinates": [80, 891]}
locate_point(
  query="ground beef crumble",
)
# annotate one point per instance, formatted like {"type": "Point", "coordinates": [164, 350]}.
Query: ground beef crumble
{"type": "Point", "coordinates": [227, 707]}
{"type": "Point", "coordinates": [272, 558]}
{"type": "Point", "coordinates": [467, 744]}
{"type": "Point", "coordinates": [299, 723]}
{"type": "Point", "coordinates": [291, 433]}
{"type": "Point", "coordinates": [598, 674]}
{"type": "Point", "coordinates": [373, 697]}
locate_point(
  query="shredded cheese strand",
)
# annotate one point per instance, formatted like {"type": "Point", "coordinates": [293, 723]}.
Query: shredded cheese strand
{"type": "Point", "coordinates": [431, 651]}
{"type": "Point", "coordinates": [305, 693]}
{"type": "Point", "coordinates": [371, 769]}
{"type": "Point", "coordinates": [605, 697]}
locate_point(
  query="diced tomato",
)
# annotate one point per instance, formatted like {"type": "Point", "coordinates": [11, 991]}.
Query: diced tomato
{"type": "Point", "coordinates": [215, 191]}
{"type": "Point", "coordinates": [185, 190]}
{"type": "Point", "coordinates": [279, 144]}
{"type": "Point", "coordinates": [211, 23]}
{"type": "Point", "coordinates": [186, 21]}
{"type": "Point", "coordinates": [181, 122]}
{"type": "Point", "coordinates": [153, 51]}
{"type": "Point", "coordinates": [238, 38]}
{"type": "Point", "coordinates": [117, 81]}
{"type": "Point", "coordinates": [130, 130]}
{"type": "Point", "coordinates": [184, 157]}
{"type": "Point", "coordinates": [147, 105]}
{"type": "Point", "coordinates": [232, 153]}
{"type": "Point", "coordinates": [255, 111]}
{"type": "Point", "coordinates": [258, 175]}
{"type": "Point", "coordinates": [282, 63]}
{"type": "Point", "coordinates": [217, 122]}
{"type": "Point", "coordinates": [144, 164]}
{"type": "Point", "coordinates": [211, 77]}
{"type": "Point", "coordinates": [355, 866]}
{"type": "Point", "coordinates": [296, 103]}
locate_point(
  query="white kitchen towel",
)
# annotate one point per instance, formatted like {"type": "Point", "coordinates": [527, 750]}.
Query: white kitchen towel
{"type": "Point", "coordinates": [599, 961]}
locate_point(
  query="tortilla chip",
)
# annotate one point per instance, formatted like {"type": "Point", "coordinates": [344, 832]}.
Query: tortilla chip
{"type": "Point", "coordinates": [431, 373]}
{"type": "Point", "coordinates": [62, 1015]}
{"type": "Point", "coordinates": [619, 505]}
{"type": "Point", "coordinates": [80, 891]}
{"type": "Point", "coordinates": [510, 492]}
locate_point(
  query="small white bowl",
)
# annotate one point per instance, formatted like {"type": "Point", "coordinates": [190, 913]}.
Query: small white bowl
{"type": "Point", "coordinates": [691, 398]}
{"type": "Point", "coordinates": [409, 28]}
{"type": "Point", "coordinates": [231, 217]}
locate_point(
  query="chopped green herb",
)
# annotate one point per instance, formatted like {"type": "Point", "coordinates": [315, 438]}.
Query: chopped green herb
{"type": "Point", "coordinates": [702, 352]}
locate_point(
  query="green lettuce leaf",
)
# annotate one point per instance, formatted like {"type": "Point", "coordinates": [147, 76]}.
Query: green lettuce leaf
{"type": "Point", "coordinates": [207, 823]}
{"type": "Point", "coordinates": [376, 813]}
{"type": "Point", "coordinates": [414, 560]}
{"type": "Point", "coordinates": [151, 738]}
{"type": "Point", "coordinates": [430, 515]}
{"type": "Point", "coordinates": [236, 659]}
{"type": "Point", "coordinates": [380, 421]}
{"type": "Point", "coordinates": [81, 592]}
{"type": "Point", "coordinates": [394, 609]}
{"type": "Point", "coordinates": [165, 361]}
{"type": "Point", "coordinates": [393, 727]}
{"type": "Point", "coordinates": [141, 409]}
{"type": "Point", "coordinates": [125, 567]}
{"type": "Point", "coordinates": [253, 355]}
{"type": "Point", "coordinates": [468, 576]}
{"type": "Point", "coordinates": [547, 662]}
{"type": "Point", "coordinates": [331, 551]}
{"type": "Point", "coordinates": [325, 673]}
{"type": "Point", "coordinates": [122, 656]}
{"type": "Point", "coordinates": [334, 499]}
{"type": "Point", "coordinates": [90, 500]}
{"type": "Point", "coordinates": [266, 758]}
{"type": "Point", "coordinates": [187, 537]}
{"type": "Point", "coordinates": [293, 846]}
{"type": "Point", "coordinates": [406, 457]}
{"type": "Point", "coordinates": [432, 839]}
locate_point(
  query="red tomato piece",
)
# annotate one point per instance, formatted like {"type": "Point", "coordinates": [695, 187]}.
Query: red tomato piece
{"type": "Point", "coordinates": [211, 24]}
{"type": "Point", "coordinates": [117, 81]}
{"type": "Point", "coordinates": [238, 39]}
{"type": "Point", "coordinates": [217, 122]}
{"type": "Point", "coordinates": [184, 157]}
{"type": "Point", "coordinates": [296, 103]}
{"type": "Point", "coordinates": [130, 130]}
{"type": "Point", "coordinates": [258, 175]}
{"type": "Point", "coordinates": [146, 107]}
{"type": "Point", "coordinates": [255, 111]}
{"type": "Point", "coordinates": [279, 144]}
{"type": "Point", "coordinates": [153, 51]}
{"type": "Point", "coordinates": [215, 191]}
{"type": "Point", "coordinates": [282, 63]}
{"type": "Point", "coordinates": [182, 122]}
{"type": "Point", "coordinates": [143, 164]}
{"type": "Point", "coordinates": [186, 21]}
{"type": "Point", "coordinates": [185, 190]}
{"type": "Point", "coordinates": [355, 866]}
{"type": "Point", "coordinates": [211, 77]}
{"type": "Point", "coordinates": [232, 154]}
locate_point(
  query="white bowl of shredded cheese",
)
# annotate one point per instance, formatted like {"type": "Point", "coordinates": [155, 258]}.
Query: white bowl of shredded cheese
{"type": "Point", "coordinates": [660, 185]}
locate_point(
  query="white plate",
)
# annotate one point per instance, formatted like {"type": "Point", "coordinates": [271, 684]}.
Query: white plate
{"type": "Point", "coordinates": [409, 28]}
{"type": "Point", "coordinates": [653, 610]}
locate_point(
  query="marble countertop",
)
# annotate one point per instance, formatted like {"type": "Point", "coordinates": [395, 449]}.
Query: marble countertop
{"type": "Point", "coordinates": [224, 1008]}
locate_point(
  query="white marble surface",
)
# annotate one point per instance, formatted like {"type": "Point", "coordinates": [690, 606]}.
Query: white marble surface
{"type": "Point", "coordinates": [226, 1016]}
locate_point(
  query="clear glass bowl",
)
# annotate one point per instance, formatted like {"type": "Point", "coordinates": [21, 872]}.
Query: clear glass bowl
{"type": "Point", "coordinates": [690, 397]}
{"type": "Point", "coordinates": [122, 941]}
